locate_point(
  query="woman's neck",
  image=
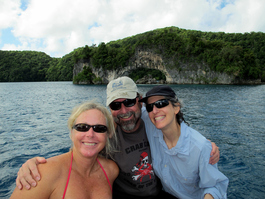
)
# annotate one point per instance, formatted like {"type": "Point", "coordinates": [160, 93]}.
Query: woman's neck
{"type": "Point", "coordinates": [83, 165]}
{"type": "Point", "coordinates": [171, 135]}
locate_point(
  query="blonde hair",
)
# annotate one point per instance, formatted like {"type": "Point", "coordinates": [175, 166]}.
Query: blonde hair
{"type": "Point", "coordinates": [111, 143]}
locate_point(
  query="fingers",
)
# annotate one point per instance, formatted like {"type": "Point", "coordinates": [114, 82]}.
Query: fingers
{"type": "Point", "coordinates": [214, 159]}
{"type": "Point", "coordinates": [18, 184]}
{"type": "Point", "coordinates": [40, 160]}
{"type": "Point", "coordinates": [28, 174]}
{"type": "Point", "coordinates": [214, 148]}
{"type": "Point", "coordinates": [23, 180]}
{"type": "Point", "coordinates": [32, 167]}
{"type": "Point", "coordinates": [27, 183]}
{"type": "Point", "coordinates": [215, 156]}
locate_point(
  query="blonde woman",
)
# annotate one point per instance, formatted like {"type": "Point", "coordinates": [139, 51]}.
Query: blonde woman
{"type": "Point", "coordinates": [85, 171]}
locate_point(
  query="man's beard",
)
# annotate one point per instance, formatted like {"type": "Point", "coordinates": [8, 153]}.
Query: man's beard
{"type": "Point", "coordinates": [130, 124]}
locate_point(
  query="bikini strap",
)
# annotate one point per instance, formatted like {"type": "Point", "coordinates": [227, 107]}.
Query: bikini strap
{"type": "Point", "coordinates": [105, 174]}
{"type": "Point", "coordinates": [69, 173]}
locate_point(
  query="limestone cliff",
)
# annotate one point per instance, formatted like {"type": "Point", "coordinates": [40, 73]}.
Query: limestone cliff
{"type": "Point", "coordinates": [184, 73]}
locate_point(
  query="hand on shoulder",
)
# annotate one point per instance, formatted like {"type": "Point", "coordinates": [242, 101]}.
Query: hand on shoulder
{"type": "Point", "coordinates": [50, 174]}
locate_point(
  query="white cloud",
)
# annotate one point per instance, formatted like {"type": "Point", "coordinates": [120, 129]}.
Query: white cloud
{"type": "Point", "coordinates": [9, 11]}
{"type": "Point", "coordinates": [58, 27]}
{"type": "Point", "coordinates": [242, 16]}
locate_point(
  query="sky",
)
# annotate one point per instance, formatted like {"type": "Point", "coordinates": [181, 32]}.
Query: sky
{"type": "Point", "coordinates": [57, 27]}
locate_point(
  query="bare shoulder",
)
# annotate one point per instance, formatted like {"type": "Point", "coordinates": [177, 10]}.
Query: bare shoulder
{"type": "Point", "coordinates": [56, 161]}
{"type": "Point", "coordinates": [54, 169]}
{"type": "Point", "coordinates": [55, 165]}
{"type": "Point", "coordinates": [50, 173]}
{"type": "Point", "coordinates": [110, 167]}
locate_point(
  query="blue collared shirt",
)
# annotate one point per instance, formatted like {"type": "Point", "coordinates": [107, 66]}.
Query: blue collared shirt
{"type": "Point", "coordinates": [184, 170]}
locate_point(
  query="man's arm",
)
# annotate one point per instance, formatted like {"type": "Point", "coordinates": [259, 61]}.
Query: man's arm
{"type": "Point", "coordinates": [28, 174]}
{"type": "Point", "coordinates": [51, 173]}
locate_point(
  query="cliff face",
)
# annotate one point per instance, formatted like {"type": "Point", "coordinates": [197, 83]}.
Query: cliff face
{"type": "Point", "coordinates": [185, 73]}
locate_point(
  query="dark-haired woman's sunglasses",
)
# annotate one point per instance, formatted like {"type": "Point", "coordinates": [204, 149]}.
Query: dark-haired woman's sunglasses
{"type": "Point", "coordinates": [85, 127]}
{"type": "Point", "coordinates": [117, 105]}
{"type": "Point", "coordinates": [159, 104]}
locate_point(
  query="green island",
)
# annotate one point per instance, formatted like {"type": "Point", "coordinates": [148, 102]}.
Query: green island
{"type": "Point", "coordinates": [237, 54]}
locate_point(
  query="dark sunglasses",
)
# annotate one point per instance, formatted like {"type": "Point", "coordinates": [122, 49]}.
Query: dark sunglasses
{"type": "Point", "coordinates": [159, 104]}
{"type": "Point", "coordinates": [85, 127]}
{"type": "Point", "coordinates": [117, 105]}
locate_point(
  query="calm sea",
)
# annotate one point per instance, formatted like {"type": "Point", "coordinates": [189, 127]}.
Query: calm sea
{"type": "Point", "coordinates": [33, 122]}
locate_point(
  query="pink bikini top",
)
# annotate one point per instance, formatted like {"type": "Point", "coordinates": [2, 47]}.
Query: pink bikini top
{"type": "Point", "coordinates": [70, 174]}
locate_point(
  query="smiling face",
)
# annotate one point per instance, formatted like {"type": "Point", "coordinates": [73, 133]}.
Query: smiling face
{"type": "Point", "coordinates": [128, 118]}
{"type": "Point", "coordinates": [163, 118]}
{"type": "Point", "coordinates": [89, 143]}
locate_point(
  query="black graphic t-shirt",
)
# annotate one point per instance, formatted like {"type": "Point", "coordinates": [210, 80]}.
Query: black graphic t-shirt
{"type": "Point", "coordinates": [136, 177]}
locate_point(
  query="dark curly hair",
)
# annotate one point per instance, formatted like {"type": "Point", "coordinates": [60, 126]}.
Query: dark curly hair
{"type": "Point", "coordinates": [175, 102]}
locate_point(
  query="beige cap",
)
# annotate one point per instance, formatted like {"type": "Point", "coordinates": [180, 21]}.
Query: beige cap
{"type": "Point", "coordinates": [122, 87]}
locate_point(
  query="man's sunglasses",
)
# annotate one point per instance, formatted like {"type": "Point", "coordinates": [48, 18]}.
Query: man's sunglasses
{"type": "Point", "coordinates": [85, 127]}
{"type": "Point", "coordinates": [159, 104]}
{"type": "Point", "coordinates": [117, 105]}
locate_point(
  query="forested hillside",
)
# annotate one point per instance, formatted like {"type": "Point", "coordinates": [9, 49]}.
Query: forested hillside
{"type": "Point", "coordinates": [242, 55]}
{"type": "Point", "coordinates": [28, 66]}
{"type": "Point", "coordinates": [17, 66]}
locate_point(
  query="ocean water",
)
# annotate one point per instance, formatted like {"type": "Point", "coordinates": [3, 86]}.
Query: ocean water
{"type": "Point", "coordinates": [33, 122]}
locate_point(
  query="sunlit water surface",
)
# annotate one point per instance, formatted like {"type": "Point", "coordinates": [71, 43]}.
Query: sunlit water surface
{"type": "Point", "coordinates": [33, 122]}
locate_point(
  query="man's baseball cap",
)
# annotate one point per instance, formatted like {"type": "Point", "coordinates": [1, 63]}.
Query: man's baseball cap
{"type": "Point", "coordinates": [122, 87]}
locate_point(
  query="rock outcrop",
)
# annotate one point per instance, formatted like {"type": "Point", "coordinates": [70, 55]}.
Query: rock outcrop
{"type": "Point", "coordinates": [185, 73]}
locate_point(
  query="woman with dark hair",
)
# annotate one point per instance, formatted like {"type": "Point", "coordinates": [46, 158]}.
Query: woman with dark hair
{"type": "Point", "coordinates": [180, 154]}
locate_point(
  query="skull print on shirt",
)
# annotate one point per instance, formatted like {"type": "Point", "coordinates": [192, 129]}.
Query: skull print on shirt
{"type": "Point", "coordinates": [142, 168]}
